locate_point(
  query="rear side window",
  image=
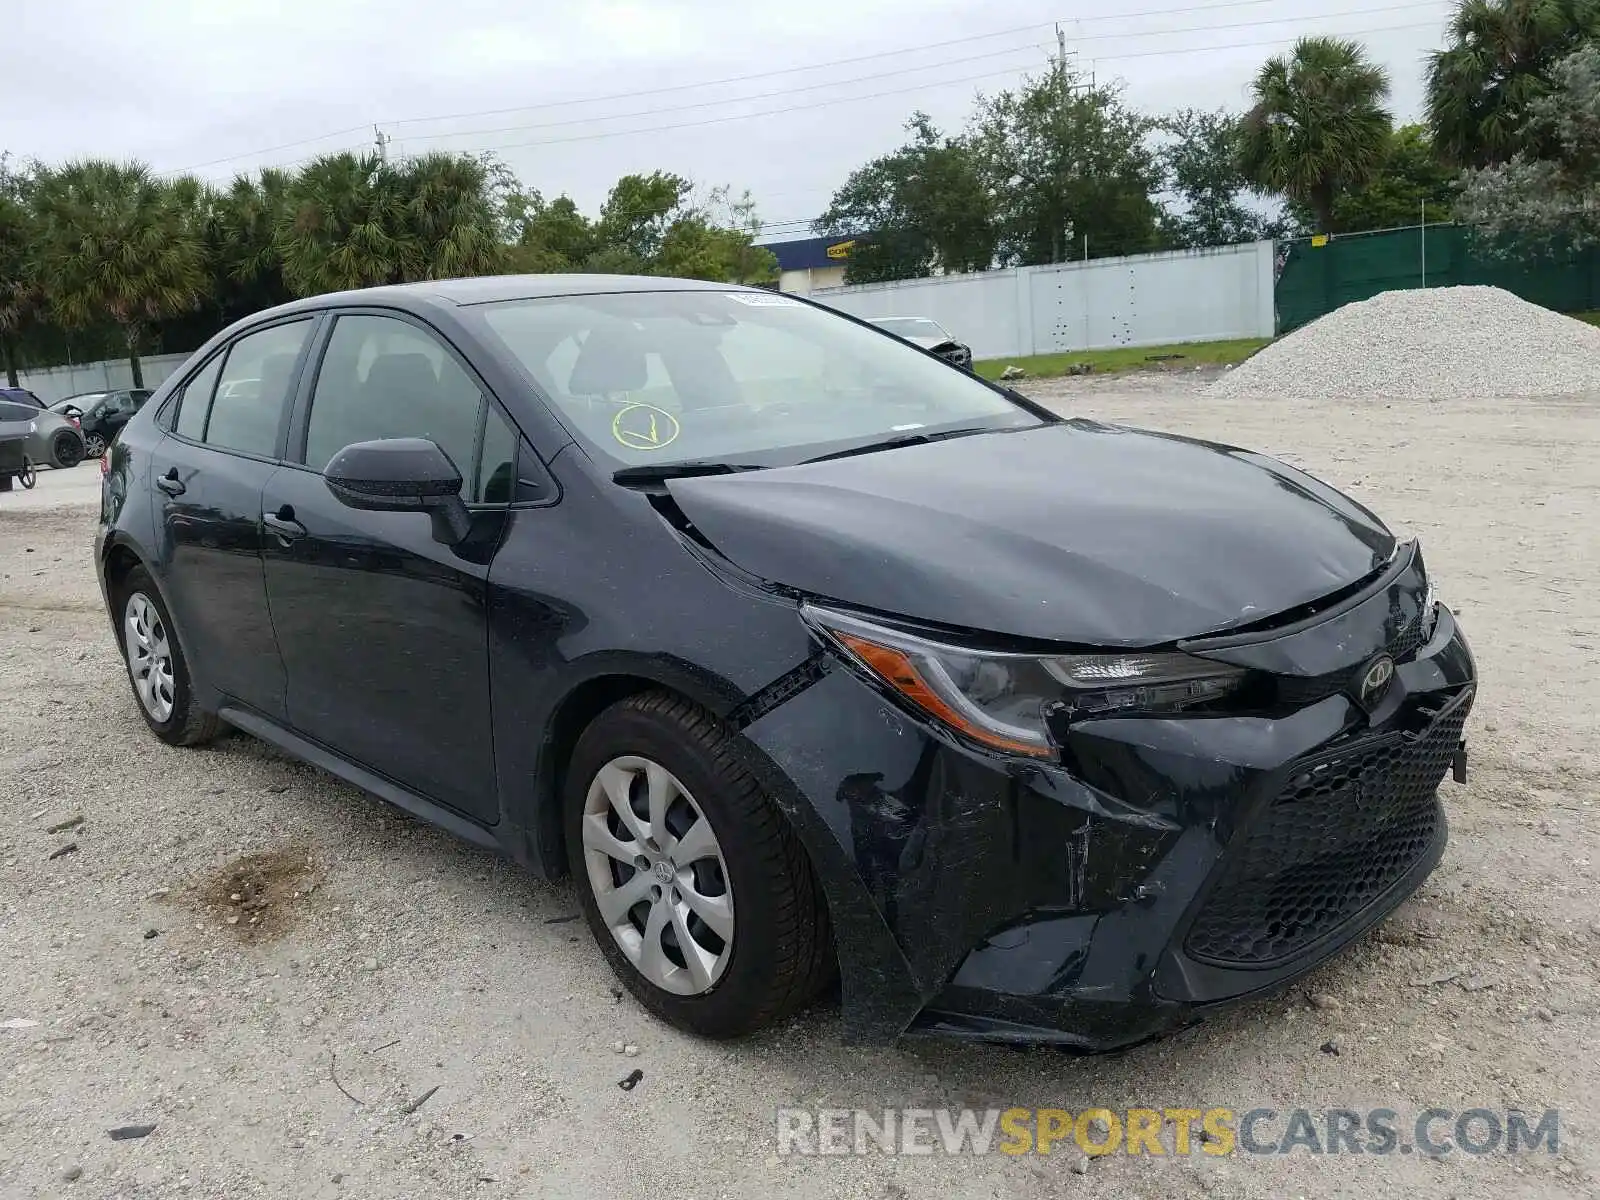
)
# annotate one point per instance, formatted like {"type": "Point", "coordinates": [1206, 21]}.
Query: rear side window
{"type": "Point", "coordinates": [195, 403]}
{"type": "Point", "coordinates": [253, 389]}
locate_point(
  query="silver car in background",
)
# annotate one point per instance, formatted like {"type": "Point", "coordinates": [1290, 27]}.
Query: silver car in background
{"type": "Point", "coordinates": [48, 439]}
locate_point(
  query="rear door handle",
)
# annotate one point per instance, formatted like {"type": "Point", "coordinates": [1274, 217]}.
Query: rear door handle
{"type": "Point", "coordinates": [283, 524]}
{"type": "Point", "coordinates": [171, 484]}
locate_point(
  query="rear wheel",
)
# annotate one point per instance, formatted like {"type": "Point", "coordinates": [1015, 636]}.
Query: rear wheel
{"type": "Point", "coordinates": [66, 449]}
{"type": "Point", "coordinates": [697, 891]}
{"type": "Point", "coordinates": [156, 666]}
{"type": "Point", "coordinates": [94, 445]}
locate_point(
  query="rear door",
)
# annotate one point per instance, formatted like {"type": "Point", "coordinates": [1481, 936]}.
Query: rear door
{"type": "Point", "coordinates": [383, 630]}
{"type": "Point", "coordinates": [222, 445]}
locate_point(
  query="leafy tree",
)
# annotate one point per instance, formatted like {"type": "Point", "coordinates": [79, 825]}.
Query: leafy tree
{"type": "Point", "coordinates": [1201, 166]}
{"type": "Point", "coordinates": [1318, 127]}
{"type": "Point", "coordinates": [697, 246]}
{"type": "Point", "coordinates": [240, 236]}
{"type": "Point", "coordinates": [114, 242]}
{"type": "Point", "coordinates": [1497, 64]}
{"type": "Point", "coordinates": [1546, 204]}
{"type": "Point", "coordinates": [1067, 159]}
{"type": "Point", "coordinates": [920, 208]}
{"type": "Point", "coordinates": [555, 236]}
{"type": "Point", "coordinates": [1411, 174]}
{"type": "Point", "coordinates": [639, 211]}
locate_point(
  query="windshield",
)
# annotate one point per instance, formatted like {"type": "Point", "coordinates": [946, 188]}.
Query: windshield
{"type": "Point", "coordinates": [910, 327]}
{"type": "Point", "coordinates": [753, 377]}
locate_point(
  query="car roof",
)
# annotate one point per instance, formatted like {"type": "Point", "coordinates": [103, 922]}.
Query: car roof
{"type": "Point", "coordinates": [488, 289]}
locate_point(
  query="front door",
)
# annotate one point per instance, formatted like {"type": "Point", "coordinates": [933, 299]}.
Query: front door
{"type": "Point", "coordinates": [210, 469]}
{"type": "Point", "coordinates": [383, 630]}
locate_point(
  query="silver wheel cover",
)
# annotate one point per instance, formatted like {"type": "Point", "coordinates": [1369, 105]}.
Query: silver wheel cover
{"type": "Point", "coordinates": [145, 636]}
{"type": "Point", "coordinates": [657, 874]}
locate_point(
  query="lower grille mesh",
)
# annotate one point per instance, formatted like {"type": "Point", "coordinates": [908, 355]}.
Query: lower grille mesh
{"type": "Point", "coordinates": [1344, 830]}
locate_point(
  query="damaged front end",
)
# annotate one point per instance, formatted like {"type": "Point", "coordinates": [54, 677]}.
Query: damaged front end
{"type": "Point", "coordinates": [1174, 828]}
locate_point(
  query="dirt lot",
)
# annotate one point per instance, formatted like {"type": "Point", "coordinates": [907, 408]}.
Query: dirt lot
{"type": "Point", "coordinates": [282, 1042]}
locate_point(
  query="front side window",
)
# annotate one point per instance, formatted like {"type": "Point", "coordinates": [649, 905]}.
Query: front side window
{"type": "Point", "coordinates": [253, 389]}
{"type": "Point", "coordinates": [386, 378]}
{"type": "Point", "coordinates": [755, 377]}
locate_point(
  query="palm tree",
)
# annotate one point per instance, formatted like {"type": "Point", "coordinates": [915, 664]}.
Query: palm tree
{"type": "Point", "coordinates": [451, 217]}
{"type": "Point", "coordinates": [240, 232]}
{"type": "Point", "coordinates": [1498, 62]}
{"type": "Point", "coordinates": [1318, 126]}
{"type": "Point", "coordinates": [343, 225]}
{"type": "Point", "coordinates": [116, 244]}
{"type": "Point", "coordinates": [19, 293]}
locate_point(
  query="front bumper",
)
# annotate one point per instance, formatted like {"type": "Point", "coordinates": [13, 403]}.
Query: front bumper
{"type": "Point", "coordinates": [1164, 867]}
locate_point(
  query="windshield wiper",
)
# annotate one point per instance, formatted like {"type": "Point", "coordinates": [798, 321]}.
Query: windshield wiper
{"type": "Point", "coordinates": [903, 439]}
{"type": "Point", "coordinates": [688, 469]}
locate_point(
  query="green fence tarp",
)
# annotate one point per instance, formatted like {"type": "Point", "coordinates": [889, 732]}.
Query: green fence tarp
{"type": "Point", "coordinates": [1318, 279]}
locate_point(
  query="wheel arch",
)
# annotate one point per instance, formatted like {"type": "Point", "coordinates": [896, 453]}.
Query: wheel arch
{"type": "Point", "coordinates": [602, 684]}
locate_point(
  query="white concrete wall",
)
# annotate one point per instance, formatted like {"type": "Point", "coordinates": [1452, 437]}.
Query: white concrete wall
{"type": "Point", "coordinates": [55, 383]}
{"type": "Point", "coordinates": [1140, 300]}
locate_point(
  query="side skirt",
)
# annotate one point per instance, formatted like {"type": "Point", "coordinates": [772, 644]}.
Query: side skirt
{"type": "Point", "coordinates": [386, 790]}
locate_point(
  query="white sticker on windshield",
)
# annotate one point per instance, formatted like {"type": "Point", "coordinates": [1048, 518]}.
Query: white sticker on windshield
{"type": "Point", "coordinates": [763, 299]}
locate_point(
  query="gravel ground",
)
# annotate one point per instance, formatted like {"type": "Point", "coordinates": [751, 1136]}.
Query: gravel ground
{"type": "Point", "coordinates": [1428, 344]}
{"type": "Point", "coordinates": [296, 1056]}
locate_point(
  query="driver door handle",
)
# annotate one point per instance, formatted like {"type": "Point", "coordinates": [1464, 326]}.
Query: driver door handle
{"type": "Point", "coordinates": [171, 484]}
{"type": "Point", "coordinates": [283, 524]}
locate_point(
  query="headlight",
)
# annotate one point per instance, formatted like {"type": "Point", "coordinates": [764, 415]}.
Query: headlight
{"type": "Point", "coordinates": [1003, 700]}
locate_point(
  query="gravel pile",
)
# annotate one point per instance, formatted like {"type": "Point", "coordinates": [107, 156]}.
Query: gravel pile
{"type": "Point", "coordinates": [1434, 344]}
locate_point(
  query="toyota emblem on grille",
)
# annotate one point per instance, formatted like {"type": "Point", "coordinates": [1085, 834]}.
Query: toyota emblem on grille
{"type": "Point", "coordinates": [1375, 681]}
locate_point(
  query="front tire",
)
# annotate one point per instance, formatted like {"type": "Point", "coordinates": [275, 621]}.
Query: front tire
{"type": "Point", "coordinates": [698, 893]}
{"type": "Point", "coordinates": [94, 445]}
{"type": "Point", "coordinates": [157, 670]}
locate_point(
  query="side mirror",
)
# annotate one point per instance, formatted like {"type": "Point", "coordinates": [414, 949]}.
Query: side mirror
{"type": "Point", "coordinates": [401, 475]}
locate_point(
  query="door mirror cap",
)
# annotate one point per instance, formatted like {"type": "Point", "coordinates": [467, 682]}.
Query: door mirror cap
{"type": "Point", "coordinates": [401, 475]}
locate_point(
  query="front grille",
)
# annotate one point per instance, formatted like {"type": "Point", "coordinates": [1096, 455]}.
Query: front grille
{"type": "Point", "coordinates": [1344, 830]}
{"type": "Point", "coordinates": [1300, 690]}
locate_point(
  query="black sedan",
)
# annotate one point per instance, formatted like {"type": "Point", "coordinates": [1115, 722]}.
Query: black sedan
{"type": "Point", "coordinates": [930, 335]}
{"type": "Point", "coordinates": [101, 415]}
{"type": "Point", "coordinates": [801, 652]}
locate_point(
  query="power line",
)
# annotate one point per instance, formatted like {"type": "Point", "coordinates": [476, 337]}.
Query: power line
{"type": "Point", "coordinates": [812, 87]}
{"type": "Point", "coordinates": [760, 75]}
{"type": "Point", "coordinates": [836, 62]}
{"type": "Point", "coordinates": [914, 88]}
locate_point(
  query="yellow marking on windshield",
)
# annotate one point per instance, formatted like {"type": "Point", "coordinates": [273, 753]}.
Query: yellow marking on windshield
{"type": "Point", "coordinates": [645, 427]}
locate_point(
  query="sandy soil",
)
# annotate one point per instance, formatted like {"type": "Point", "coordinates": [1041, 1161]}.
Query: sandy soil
{"type": "Point", "coordinates": [280, 1057]}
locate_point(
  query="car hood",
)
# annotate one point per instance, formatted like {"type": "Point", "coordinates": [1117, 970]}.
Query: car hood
{"type": "Point", "coordinates": [1071, 532]}
{"type": "Point", "coordinates": [932, 343]}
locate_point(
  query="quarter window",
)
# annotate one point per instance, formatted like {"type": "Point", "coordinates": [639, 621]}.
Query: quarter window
{"type": "Point", "coordinates": [195, 402]}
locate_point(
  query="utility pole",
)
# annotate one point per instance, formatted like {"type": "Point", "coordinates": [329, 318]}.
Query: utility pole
{"type": "Point", "coordinates": [383, 140]}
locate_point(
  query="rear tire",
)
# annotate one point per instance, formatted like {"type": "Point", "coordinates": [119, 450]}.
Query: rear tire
{"type": "Point", "coordinates": [66, 449]}
{"type": "Point", "coordinates": [157, 670]}
{"type": "Point", "coordinates": [743, 873]}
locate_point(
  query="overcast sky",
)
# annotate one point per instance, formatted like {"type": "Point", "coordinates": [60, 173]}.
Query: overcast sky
{"type": "Point", "coordinates": [182, 84]}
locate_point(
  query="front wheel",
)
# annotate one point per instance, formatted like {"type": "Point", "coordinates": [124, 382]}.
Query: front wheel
{"type": "Point", "coordinates": [697, 891]}
{"type": "Point", "coordinates": [94, 445]}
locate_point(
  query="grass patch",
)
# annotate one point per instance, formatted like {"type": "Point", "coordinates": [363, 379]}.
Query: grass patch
{"type": "Point", "coordinates": [1111, 362]}
{"type": "Point", "coordinates": [1593, 318]}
